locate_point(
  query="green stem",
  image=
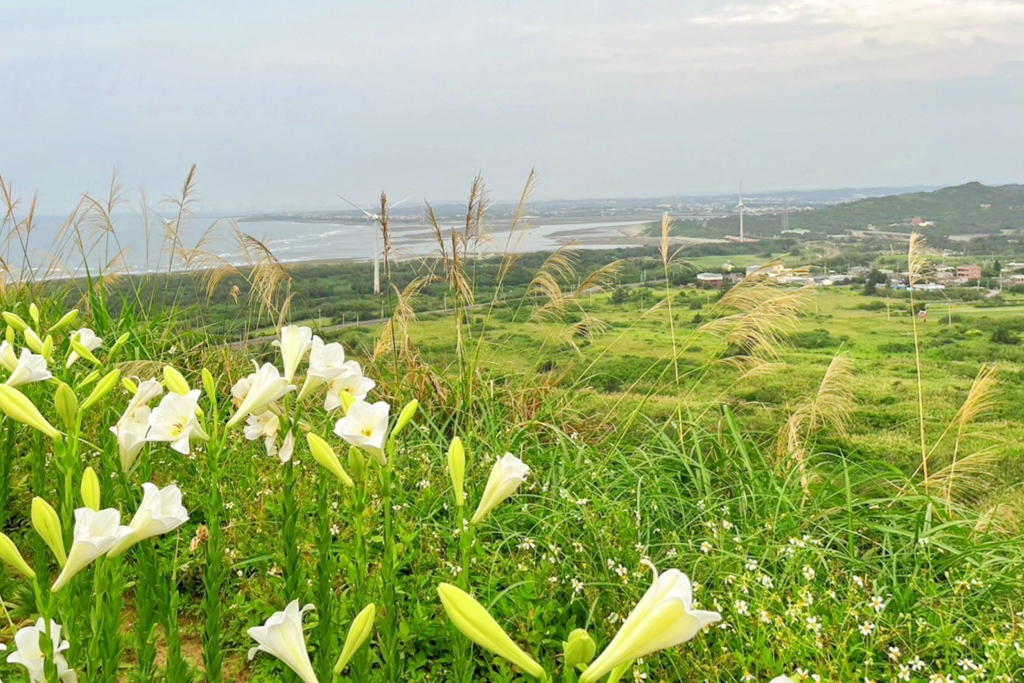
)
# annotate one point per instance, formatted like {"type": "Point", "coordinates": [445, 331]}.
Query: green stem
{"type": "Point", "coordinates": [389, 580]}
{"type": "Point", "coordinates": [360, 666]}
{"type": "Point", "coordinates": [463, 656]}
{"type": "Point", "coordinates": [324, 635]}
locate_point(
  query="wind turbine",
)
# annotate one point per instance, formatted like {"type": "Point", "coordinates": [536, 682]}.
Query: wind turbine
{"type": "Point", "coordinates": [742, 208]}
{"type": "Point", "coordinates": [375, 220]}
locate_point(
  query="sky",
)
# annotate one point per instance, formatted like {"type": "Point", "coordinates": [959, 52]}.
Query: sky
{"type": "Point", "coordinates": [287, 104]}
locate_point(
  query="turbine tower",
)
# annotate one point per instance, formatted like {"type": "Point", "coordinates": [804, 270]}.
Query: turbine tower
{"type": "Point", "coordinates": [375, 220]}
{"type": "Point", "coordinates": [742, 208]}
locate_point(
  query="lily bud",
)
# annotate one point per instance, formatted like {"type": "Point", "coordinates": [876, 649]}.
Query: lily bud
{"type": "Point", "coordinates": [175, 381]}
{"type": "Point", "coordinates": [209, 385]}
{"type": "Point", "coordinates": [33, 312]}
{"type": "Point", "coordinates": [457, 470]}
{"type": "Point", "coordinates": [9, 554]}
{"type": "Point", "coordinates": [19, 408]}
{"type": "Point", "coordinates": [506, 476]}
{"type": "Point", "coordinates": [66, 403]}
{"type": "Point", "coordinates": [295, 343]}
{"type": "Point", "coordinates": [663, 618]}
{"type": "Point", "coordinates": [358, 633]}
{"type": "Point", "coordinates": [68, 319]}
{"type": "Point", "coordinates": [32, 340]}
{"type": "Point", "coordinates": [47, 524]}
{"type": "Point", "coordinates": [14, 321]}
{"type": "Point", "coordinates": [579, 649]}
{"type": "Point", "coordinates": [356, 462]}
{"type": "Point", "coordinates": [405, 417]}
{"type": "Point", "coordinates": [470, 617]}
{"type": "Point", "coordinates": [118, 343]}
{"type": "Point", "coordinates": [47, 351]}
{"type": "Point", "coordinates": [80, 350]}
{"type": "Point", "coordinates": [102, 388]}
{"type": "Point", "coordinates": [325, 455]}
{"type": "Point", "coordinates": [129, 385]}
{"type": "Point", "coordinates": [9, 334]}
{"type": "Point", "coordinates": [89, 379]}
{"type": "Point", "coordinates": [90, 489]}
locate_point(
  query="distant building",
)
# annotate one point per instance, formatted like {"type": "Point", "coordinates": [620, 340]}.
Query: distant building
{"type": "Point", "coordinates": [971, 272]}
{"type": "Point", "coordinates": [710, 279]}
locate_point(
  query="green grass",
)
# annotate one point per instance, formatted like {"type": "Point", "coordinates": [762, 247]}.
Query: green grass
{"type": "Point", "coordinates": [862, 573]}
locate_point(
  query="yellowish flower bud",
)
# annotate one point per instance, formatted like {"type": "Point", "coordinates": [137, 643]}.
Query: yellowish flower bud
{"type": "Point", "coordinates": [10, 334]}
{"type": "Point", "coordinates": [356, 462]}
{"type": "Point", "coordinates": [405, 417]}
{"type": "Point", "coordinates": [89, 379]}
{"type": "Point", "coordinates": [358, 633]}
{"type": "Point", "coordinates": [9, 554]}
{"type": "Point", "coordinates": [19, 408]}
{"type": "Point", "coordinates": [325, 455]}
{"type": "Point", "coordinates": [84, 352]}
{"type": "Point", "coordinates": [90, 489]}
{"type": "Point", "coordinates": [579, 649]}
{"type": "Point", "coordinates": [47, 524]}
{"type": "Point", "coordinates": [457, 470]}
{"type": "Point", "coordinates": [102, 388]}
{"type": "Point", "coordinates": [175, 381]}
{"type": "Point", "coordinates": [14, 321]}
{"type": "Point", "coordinates": [32, 340]}
{"type": "Point", "coordinates": [129, 386]}
{"type": "Point", "coordinates": [68, 319]}
{"type": "Point", "coordinates": [66, 403]}
{"type": "Point", "coordinates": [33, 312]}
{"type": "Point", "coordinates": [210, 385]}
{"type": "Point", "coordinates": [470, 617]}
{"type": "Point", "coordinates": [47, 351]}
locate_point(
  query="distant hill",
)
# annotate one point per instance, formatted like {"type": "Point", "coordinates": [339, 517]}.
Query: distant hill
{"type": "Point", "coordinates": [967, 209]}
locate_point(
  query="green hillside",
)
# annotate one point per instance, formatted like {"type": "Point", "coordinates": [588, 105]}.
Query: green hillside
{"type": "Point", "coordinates": [960, 210]}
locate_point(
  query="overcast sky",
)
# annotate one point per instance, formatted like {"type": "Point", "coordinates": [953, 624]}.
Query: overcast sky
{"type": "Point", "coordinates": [285, 104]}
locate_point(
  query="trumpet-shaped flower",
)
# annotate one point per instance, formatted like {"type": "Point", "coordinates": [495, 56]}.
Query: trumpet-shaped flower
{"type": "Point", "coordinates": [29, 652]}
{"type": "Point", "coordinates": [662, 619]}
{"type": "Point", "coordinates": [8, 359]}
{"type": "Point", "coordinates": [351, 383]}
{"type": "Point", "coordinates": [95, 534]}
{"type": "Point", "coordinates": [160, 512]}
{"type": "Point", "coordinates": [175, 420]}
{"type": "Point", "coordinates": [326, 363]}
{"type": "Point", "coordinates": [506, 476]}
{"type": "Point", "coordinates": [282, 637]}
{"type": "Point", "coordinates": [365, 426]}
{"type": "Point", "coordinates": [295, 342]}
{"type": "Point", "coordinates": [264, 426]}
{"type": "Point", "coordinates": [86, 338]}
{"type": "Point", "coordinates": [470, 617]}
{"type": "Point", "coordinates": [266, 385]}
{"type": "Point", "coordinates": [132, 427]}
{"type": "Point", "coordinates": [287, 447]}
{"type": "Point", "coordinates": [30, 368]}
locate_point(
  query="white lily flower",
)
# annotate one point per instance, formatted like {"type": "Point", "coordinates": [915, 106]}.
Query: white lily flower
{"type": "Point", "coordinates": [351, 382]}
{"type": "Point", "coordinates": [366, 426]}
{"type": "Point", "coordinates": [295, 342]}
{"type": "Point", "coordinates": [264, 426]}
{"type": "Point", "coordinates": [8, 359]}
{"type": "Point", "coordinates": [86, 338]}
{"type": "Point", "coordinates": [287, 447]}
{"type": "Point", "coordinates": [174, 420]}
{"type": "Point", "coordinates": [266, 385]}
{"type": "Point", "coordinates": [30, 655]}
{"type": "Point", "coordinates": [506, 476]}
{"type": "Point", "coordinates": [662, 619]}
{"type": "Point", "coordinates": [160, 512]}
{"type": "Point", "coordinates": [240, 389]}
{"type": "Point", "coordinates": [30, 368]}
{"type": "Point", "coordinates": [133, 425]}
{"type": "Point", "coordinates": [326, 362]}
{"type": "Point", "coordinates": [96, 532]}
{"type": "Point", "coordinates": [282, 637]}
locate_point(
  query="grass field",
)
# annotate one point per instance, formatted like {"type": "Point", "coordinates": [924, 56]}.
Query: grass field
{"type": "Point", "coordinates": [845, 516]}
